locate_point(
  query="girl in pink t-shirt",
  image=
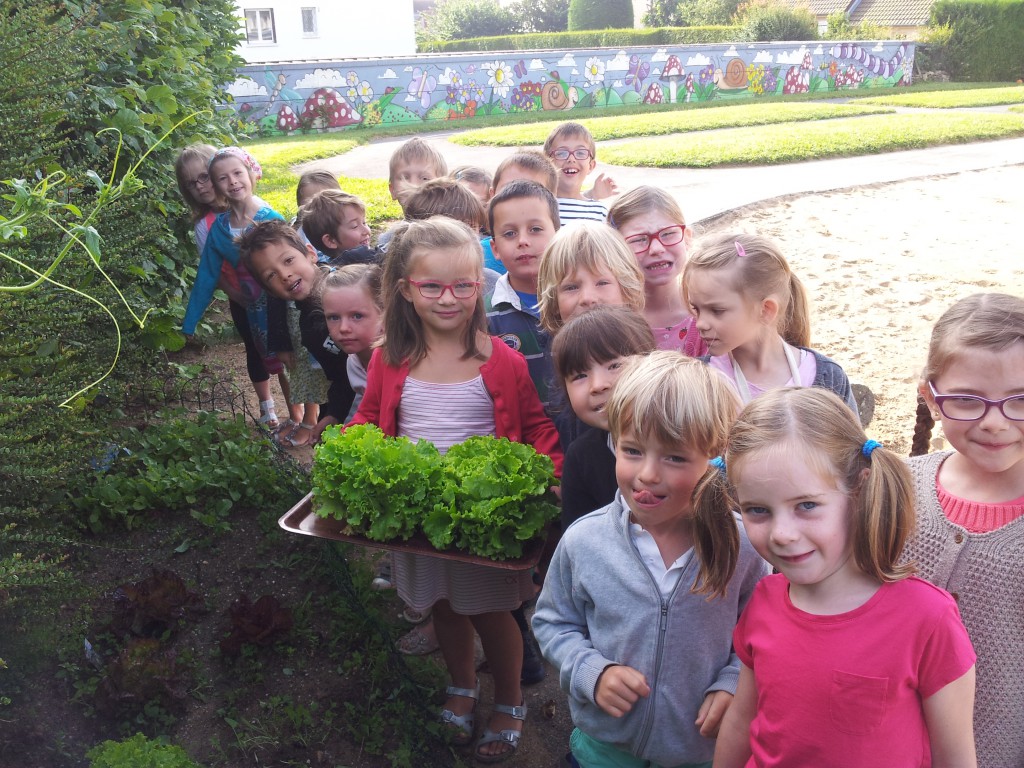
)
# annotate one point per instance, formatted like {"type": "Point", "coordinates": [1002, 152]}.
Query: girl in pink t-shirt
{"type": "Point", "coordinates": [847, 660]}
{"type": "Point", "coordinates": [752, 312]}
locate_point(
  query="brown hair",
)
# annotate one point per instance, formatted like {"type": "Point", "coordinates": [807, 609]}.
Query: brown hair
{"type": "Point", "coordinates": [678, 401]}
{"type": "Point", "coordinates": [531, 160]}
{"type": "Point", "coordinates": [446, 197]}
{"type": "Point", "coordinates": [598, 336]}
{"type": "Point", "coordinates": [260, 235]}
{"type": "Point", "coordinates": [403, 329]}
{"type": "Point", "coordinates": [879, 484]}
{"type": "Point", "coordinates": [992, 321]}
{"type": "Point", "coordinates": [320, 179]}
{"type": "Point", "coordinates": [569, 130]}
{"type": "Point", "coordinates": [523, 188]}
{"type": "Point", "coordinates": [367, 276]}
{"type": "Point", "coordinates": [472, 174]}
{"type": "Point", "coordinates": [643, 200]}
{"type": "Point", "coordinates": [202, 153]}
{"type": "Point", "coordinates": [761, 271]}
{"type": "Point", "coordinates": [416, 149]}
{"type": "Point", "coordinates": [324, 213]}
{"type": "Point", "coordinates": [595, 247]}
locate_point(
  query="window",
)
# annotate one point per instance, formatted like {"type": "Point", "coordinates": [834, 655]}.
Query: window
{"type": "Point", "coordinates": [309, 22]}
{"type": "Point", "coordinates": [259, 25]}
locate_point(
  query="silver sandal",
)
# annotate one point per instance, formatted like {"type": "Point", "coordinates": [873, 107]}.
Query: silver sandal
{"type": "Point", "coordinates": [462, 733]}
{"type": "Point", "coordinates": [506, 736]}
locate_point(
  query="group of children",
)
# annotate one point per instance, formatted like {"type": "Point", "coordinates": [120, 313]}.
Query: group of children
{"type": "Point", "coordinates": [701, 445]}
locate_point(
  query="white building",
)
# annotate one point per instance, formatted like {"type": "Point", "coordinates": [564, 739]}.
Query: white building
{"type": "Point", "coordinates": [301, 30]}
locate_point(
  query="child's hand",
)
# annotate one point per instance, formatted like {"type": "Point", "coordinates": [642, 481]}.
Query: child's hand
{"type": "Point", "coordinates": [618, 689]}
{"type": "Point", "coordinates": [604, 186]}
{"type": "Point", "coordinates": [287, 359]}
{"type": "Point", "coordinates": [711, 712]}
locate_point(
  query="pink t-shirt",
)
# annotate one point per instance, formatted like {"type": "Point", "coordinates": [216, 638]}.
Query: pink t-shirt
{"type": "Point", "coordinates": [807, 367]}
{"type": "Point", "coordinates": [681, 337]}
{"type": "Point", "coordinates": [845, 691]}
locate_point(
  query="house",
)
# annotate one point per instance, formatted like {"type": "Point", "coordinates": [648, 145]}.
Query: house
{"type": "Point", "coordinates": [902, 19]}
{"type": "Point", "coordinates": [302, 30]}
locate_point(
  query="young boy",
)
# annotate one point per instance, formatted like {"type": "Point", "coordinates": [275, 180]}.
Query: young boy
{"type": "Point", "coordinates": [530, 164]}
{"type": "Point", "coordinates": [413, 163]}
{"type": "Point", "coordinates": [571, 148]}
{"type": "Point", "coordinates": [335, 224]}
{"type": "Point", "coordinates": [642, 596]}
{"type": "Point", "coordinates": [523, 217]}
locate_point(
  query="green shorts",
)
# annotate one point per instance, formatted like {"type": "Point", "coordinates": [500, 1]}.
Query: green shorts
{"type": "Point", "coordinates": [591, 753]}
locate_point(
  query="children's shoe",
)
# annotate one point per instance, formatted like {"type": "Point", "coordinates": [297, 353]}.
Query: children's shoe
{"type": "Point", "coordinates": [507, 736]}
{"type": "Point", "coordinates": [461, 727]}
{"type": "Point", "coordinates": [534, 670]}
{"type": "Point", "coordinates": [383, 578]}
{"type": "Point", "coordinates": [268, 418]}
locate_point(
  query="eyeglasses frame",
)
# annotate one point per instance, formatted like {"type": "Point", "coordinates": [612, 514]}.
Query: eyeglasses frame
{"type": "Point", "coordinates": [941, 398]}
{"type": "Point", "coordinates": [571, 153]}
{"type": "Point", "coordinates": [445, 287]}
{"type": "Point", "coordinates": [652, 236]}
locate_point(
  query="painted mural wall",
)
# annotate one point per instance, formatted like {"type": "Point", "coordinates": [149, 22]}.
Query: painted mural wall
{"type": "Point", "coordinates": [281, 98]}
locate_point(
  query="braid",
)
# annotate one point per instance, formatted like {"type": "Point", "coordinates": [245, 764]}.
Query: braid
{"type": "Point", "coordinates": [922, 429]}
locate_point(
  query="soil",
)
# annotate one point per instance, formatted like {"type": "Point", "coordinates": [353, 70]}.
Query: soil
{"type": "Point", "coordinates": [880, 263]}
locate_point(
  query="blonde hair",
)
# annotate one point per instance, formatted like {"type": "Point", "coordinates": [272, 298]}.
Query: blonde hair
{"type": "Point", "coordinates": [366, 276]}
{"type": "Point", "coordinates": [595, 247]}
{"type": "Point", "coordinates": [324, 213]}
{"type": "Point", "coordinates": [879, 484]}
{"type": "Point", "coordinates": [404, 338]}
{"type": "Point", "coordinates": [991, 321]}
{"type": "Point", "coordinates": [761, 271]}
{"type": "Point", "coordinates": [570, 130]}
{"type": "Point", "coordinates": [531, 160]}
{"type": "Point", "coordinates": [202, 153]}
{"type": "Point", "coordinates": [416, 149]}
{"type": "Point", "coordinates": [641, 201]}
{"type": "Point", "coordinates": [678, 401]}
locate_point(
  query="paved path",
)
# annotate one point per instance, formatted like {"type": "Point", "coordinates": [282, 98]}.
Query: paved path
{"type": "Point", "coordinates": [707, 192]}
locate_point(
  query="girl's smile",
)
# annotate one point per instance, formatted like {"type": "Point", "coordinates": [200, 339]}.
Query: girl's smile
{"type": "Point", "coordinates": [446, 268]}
{"type": "Point", "coordinates": [231, 178]}
{"type": "Point", "coordinates": [589, 391]}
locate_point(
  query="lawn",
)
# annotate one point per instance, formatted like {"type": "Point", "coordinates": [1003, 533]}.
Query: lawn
{"type": "Point", "coordinates": [629, 126]}
{"type": "Point", "coordinates": [811, 141]}
{"type": "Point", "coordinates": [1013, 94]}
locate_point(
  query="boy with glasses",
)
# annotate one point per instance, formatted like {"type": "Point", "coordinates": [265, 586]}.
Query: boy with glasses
{"type": "Point", "coordinates": [571, 148]}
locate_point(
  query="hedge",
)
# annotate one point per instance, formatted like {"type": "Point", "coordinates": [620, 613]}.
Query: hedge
{"type": "Point", "coordinates": [600, 38]}
{"type": "Point", "coordinates": [985, 38]}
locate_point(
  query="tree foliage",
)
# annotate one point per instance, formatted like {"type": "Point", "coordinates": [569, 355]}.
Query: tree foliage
{"type": "Point", "coordinates": [541, 15]}
{"type": "Point", "coordinates": [458, 19]}
{"type": "Point", "coordinates": [689, 13]}
{"type": "Point", "coordinates": [766, 20]}
{"type": "Point", "coordinates": [600, 14]}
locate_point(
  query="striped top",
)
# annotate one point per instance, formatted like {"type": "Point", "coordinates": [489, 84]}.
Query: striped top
{"type": "Point", "coordinates": [445, 414]}
{"type": "Point", "coordinates": [570, 209]}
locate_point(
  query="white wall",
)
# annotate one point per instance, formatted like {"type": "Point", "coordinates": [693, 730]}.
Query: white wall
{"type": "Point", "coordinates": [345, 29]}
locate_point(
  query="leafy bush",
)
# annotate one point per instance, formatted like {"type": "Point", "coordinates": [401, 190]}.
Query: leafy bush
{"type": "Point", "coordinates": [455, 19]}
{"type": "Point", "coordinates": [600, 14]}
{"type": "Point", "coordinates": [607, 38]}
{"type": "Point", "coordinates": [139, 752]}
{"type": "Point", "coordinates": [840, 28]}
{"type": "Point", "coordinates": [980, 39]}
{"type": "Point", "coordinates": [767, 20]}
{"type": "Point", "coordinates": [541, 15]}
{"type": "Point", "coordinates": [689, 13]}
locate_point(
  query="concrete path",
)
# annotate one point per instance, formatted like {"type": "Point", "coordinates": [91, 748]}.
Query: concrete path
{"type": "Point", "coordinates": [708, 192]}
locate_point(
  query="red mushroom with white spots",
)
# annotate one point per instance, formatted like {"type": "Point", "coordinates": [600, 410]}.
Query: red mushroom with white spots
{"type": "Point", "coordinates": [672, 72]}
{"type": "Point", "coordinates": [287, 120]}
{"type": "Point", "coordinates": [327, 108]}
{"type": "Point", "coordinates": [653, 95]}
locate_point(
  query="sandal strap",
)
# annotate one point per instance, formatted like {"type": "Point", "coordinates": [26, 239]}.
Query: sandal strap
{"type": "Point", "coordinates": [469, 693]}
{"type": "Point", "coordinates": [517, 713]}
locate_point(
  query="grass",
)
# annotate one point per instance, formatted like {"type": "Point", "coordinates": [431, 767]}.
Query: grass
{"type": "Point", "coordinates": [1017, 109]}
{"type": "Point", "coordinates": [810, 141]}
{"type": "Point", "coordinates": [604, 128]}
{"type": "Point", "coordinates": [1013, 94]}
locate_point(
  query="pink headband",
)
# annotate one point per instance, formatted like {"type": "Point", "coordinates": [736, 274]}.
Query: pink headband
{"type": "Point", "coordinates": [248, 160]}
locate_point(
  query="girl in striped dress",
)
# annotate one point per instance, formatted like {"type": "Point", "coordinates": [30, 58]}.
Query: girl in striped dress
{"type": "Point", "coordinates": [439, 376]}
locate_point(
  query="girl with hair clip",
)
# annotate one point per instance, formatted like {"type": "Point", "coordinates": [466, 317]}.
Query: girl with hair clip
{"type": "Point", "coordinates": [655, 230]}
{"type": "Point", "coordinates": [640, 601]}
{"type": "Point", "coordinates": [848, 660]}
{"type": "Point", "coordinates": [970, 501]}
{"type": "Point", "coordinates": [586, 265]}
{"type": "Point", "coordinates": [752, 312]}
{"type": "Point", "coordinates": [232, 174]}
{"type": "Point", "coordinates": [438, 376]}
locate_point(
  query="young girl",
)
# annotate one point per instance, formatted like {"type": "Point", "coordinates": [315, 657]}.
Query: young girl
{"type": "Point", "coordinates": [641, 599]}
{"type": "Point", "coordinates": [847, 660]}
{"type": "Point", "coordinates": [438, 376]}
{"type": "Point", "coordinates": [970, 502]}
{"type": "Point", "coordinates": [234, 173]}
{"type": "Point", "coordinates": [586, 265]}
{"type": "Point", "coordinates": [752, 312]}
{"type": "Point", "coordinates": [589, 354]}
{"type": "Point", "coordinates": [654, 229]}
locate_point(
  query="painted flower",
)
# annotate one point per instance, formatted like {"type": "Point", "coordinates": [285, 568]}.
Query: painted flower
{"type": "Point", "coordinates": [352, 78]}
{"type": "Point", "coordinates": [451, 95]}
{"type": "Point", "coordinates": [755, 78]}
{"type": "Point", "coordinates": [365, 91]}
{"type": "Point", "coordinates": [771, 81]}
{"type": "Point", "coordinates": [521, 99]}
{"type": "Point", "coordinates": [456, 79]}
{"type": "Point", "coordinates": [833, 68]}
{"type": "Point", "coordinates": [476, 91]}
{"type": "Point", "coordinates": [499, 77]}
{"type": "Point", "coordinates": [594, 71]}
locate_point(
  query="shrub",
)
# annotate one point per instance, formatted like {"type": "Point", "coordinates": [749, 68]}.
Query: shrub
{"type": "Point", "coordinates": [541, 15]}
{"type": "Point", "coordinates": [766, 20]}
{"type": "Point", "coordinates": [840, 28]}
{"type": "Point", "coordinates": [139, 752]}
{"type": "Point", "coordinates": [689, 13]}
{"type": "Point", "coordinates": [607, 38]}
{"type": "Point", "coordinates": [985, 38]}
{"type": "Point", "coordinates": [456, 19]}
{"type": "Point", "coordinates": [600, 14]}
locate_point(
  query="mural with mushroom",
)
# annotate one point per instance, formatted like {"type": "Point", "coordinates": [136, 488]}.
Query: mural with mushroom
{"type": "Point", "coordinates": [304, 96]}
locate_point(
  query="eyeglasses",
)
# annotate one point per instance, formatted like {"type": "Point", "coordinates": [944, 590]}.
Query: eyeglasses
{"type": "Point", "coordinates": [579, 154]}
{"type": "Point", "coordinates": [667, 237]}
{"type": "Point", "coordinates": [972, 407]}
{"type": "Point", "coordinates": [464, 289]}
{"type": "Point", "coordinates": [202, 178]}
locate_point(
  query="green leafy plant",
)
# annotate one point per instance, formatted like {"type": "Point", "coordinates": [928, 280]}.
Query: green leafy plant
{"type": "Point", "coordinates": [139, 752]}
{"type": "Point", "coordinates": [772, 20]}
{"type": "Point", "coordinates": [600, 14]}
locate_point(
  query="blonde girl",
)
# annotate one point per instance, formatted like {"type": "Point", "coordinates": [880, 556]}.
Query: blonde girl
{"type": "Point", "coordinates": [847, 660]}
{"type": "Point", "coordinates": [970, 501]}
{"type": "Point", "coordinates": [225, 186]}
{"type": "Point", "coordinates": [641, 598]}
{"type": "Point", "coordinates": [753, 314]}
{"type": "Point", "coordinates": [437, 375]}
{"type": "Point", "coordinates": [585, 265]}
{"type": "Point", "coordinates": [651, 222]}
